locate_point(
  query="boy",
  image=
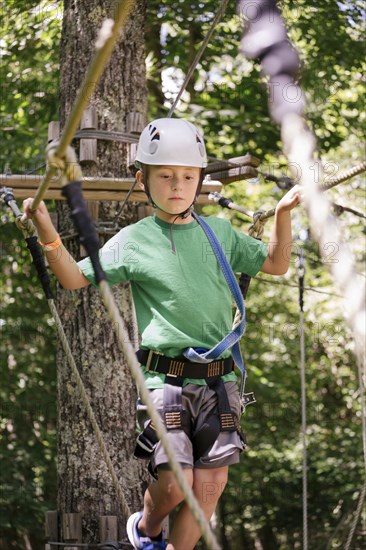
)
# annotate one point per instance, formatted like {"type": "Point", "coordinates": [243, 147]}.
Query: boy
{"type": "Point", "coordinates": [182, 301]}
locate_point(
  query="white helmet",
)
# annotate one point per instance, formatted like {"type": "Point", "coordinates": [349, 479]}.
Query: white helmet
{"type": "Point", "coordinates": [171, 142]}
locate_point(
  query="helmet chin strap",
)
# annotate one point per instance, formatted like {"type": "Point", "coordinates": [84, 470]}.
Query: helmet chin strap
{"type": "Point", "coordinates": [182, 215]}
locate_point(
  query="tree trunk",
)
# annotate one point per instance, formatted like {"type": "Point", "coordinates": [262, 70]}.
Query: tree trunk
{"type": "Point", "coordinates": [84, 484]}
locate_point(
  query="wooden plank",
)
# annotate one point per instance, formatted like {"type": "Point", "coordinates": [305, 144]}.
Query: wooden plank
{"type": "Point", "coordinates": [236, 174]}
{"type": "Point", "coordinates": [97, 184]}
{"type": "Point", "coordinates": [224, 165]}
{"type": "Point", "coordinates": [71, 529]}
{"type": "Point", "coordinates": [246, 160]}
{"type": "Point", "coordinates": [104, 189]}
{"type": "Point", "coordinates": [34, 181]}
{"type": "Point", "coordinates": [55, 194]}
{"type": "Point", "coordinates": [108, 528]}
{"type": "Point", "coordinates": [88, 147]}
{"type": "Point", "coordinates": [51, 528]}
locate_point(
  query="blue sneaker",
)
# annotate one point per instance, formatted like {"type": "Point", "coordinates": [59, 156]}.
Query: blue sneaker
{"type": "Point", "coordinates": [141, 542]}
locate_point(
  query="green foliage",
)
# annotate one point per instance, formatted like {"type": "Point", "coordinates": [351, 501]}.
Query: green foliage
{"type": "Point", "coordinates": [29, 78]}
{"type": "Point", "coordinates": [227, 94]}
{"type": "Point", "coordinates": [28, 397]}
{"type": "Point", "coordinates": [29, 39]}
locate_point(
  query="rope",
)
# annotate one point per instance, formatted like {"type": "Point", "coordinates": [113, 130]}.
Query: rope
{"type": "Point", "coordinates": [219, 14]}
{"type": "Point", "coordinates": [107, 37]}
{"type": "Point", "coordinates": [344, 176]}
{"type": "Point", "coordinates": [301, 277]}
{"type": "Point", "coordinates": [357, 517]}
{"type": "Point", "coordinates": [307, 288]}
{"type": "Point", "coordinates": [339, 209]}
{"type": "Point", "coordinates": [256, 229]}
{"type": "Point", "coordinates": [300, 145]}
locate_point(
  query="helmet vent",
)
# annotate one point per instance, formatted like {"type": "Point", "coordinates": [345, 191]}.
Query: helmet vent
{"type": "Point", "coordinates": [154, 133]}
{"type": "Point", "coordinates": [201, 147]}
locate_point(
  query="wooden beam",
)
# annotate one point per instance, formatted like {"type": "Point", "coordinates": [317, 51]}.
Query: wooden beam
{"type": "Point", "coordinates": [235, 169]}
{"type": "Point", "coordinates": [235, 162]}
{"type": "Point", "coordinates": [236, 174]}
{"type": "Point", "coordinates": [103, 189]}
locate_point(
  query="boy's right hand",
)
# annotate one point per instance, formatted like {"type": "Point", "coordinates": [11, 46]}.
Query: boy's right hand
{"type": "Point", "coordinates": [42, 220]}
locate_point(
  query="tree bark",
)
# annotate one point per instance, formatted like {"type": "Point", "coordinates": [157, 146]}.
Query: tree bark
{"type": "Point", "coordinates": [84, 484]}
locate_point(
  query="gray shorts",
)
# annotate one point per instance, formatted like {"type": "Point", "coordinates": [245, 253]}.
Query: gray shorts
{"type": "Point", "coordinates": [198, 401]}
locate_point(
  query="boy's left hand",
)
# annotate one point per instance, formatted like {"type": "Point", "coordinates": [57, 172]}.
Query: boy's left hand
{"type": "Point", "coordinates": [290, 200]}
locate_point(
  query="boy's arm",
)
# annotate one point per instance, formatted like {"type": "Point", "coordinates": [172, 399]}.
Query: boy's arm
{"type": "Point", "coordinates": [60, 260]}
{"type": "Point", "coordinates": [279, 250]}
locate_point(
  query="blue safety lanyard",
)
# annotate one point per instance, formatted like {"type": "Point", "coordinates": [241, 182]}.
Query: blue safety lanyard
{"type": "Point", "coordinates": [232, 339]}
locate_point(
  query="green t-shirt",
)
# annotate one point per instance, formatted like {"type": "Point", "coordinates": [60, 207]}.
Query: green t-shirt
{"type": "Point", "coordinates": [180, 293]}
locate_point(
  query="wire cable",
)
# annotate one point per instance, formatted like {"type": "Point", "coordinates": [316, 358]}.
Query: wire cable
{"type": "Point", "coordinates": [195, 62]}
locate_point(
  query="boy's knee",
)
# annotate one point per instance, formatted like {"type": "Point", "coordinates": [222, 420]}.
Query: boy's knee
{"type": "Point", "coordinates": [210, 486]}
{"type": "Point", "coordinates": [169, 487]}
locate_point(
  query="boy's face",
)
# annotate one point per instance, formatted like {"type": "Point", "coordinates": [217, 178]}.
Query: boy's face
{"type": "Point", "coordinates": [172, 189]}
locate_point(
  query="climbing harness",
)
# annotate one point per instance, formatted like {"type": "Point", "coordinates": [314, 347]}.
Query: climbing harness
{"type": "Point", "coordinates": [175, 417]}
{"type": "Point", "coordinates": [202, 364]}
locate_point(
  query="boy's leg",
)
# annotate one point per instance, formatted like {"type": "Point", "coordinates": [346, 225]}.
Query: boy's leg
{"type": "Point", "coordinates": [208, 485]}
{"type": "Point", "coordinates": [160, 499]}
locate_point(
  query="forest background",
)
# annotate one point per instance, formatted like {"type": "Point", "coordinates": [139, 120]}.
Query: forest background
{"type": "Point", "coordinates": [227, 99]}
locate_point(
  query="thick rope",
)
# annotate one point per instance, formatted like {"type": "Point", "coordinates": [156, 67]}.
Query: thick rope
{"type": "Point", "coordinates": [219, 14]}
{"type": "Point", "coordinates": [299, 144]}
{"type": "Point", "coordinates": [344, 176]}
{"type": "Point", "coordinates": [256, 229]}
{"type": "Point", "coordinates": [356, 517]}
{"type": "Point", "coordinates": [106, 40]}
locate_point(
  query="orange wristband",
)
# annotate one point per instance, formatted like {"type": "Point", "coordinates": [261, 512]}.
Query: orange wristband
{"type": "Point", "coordinates": [48, 247]}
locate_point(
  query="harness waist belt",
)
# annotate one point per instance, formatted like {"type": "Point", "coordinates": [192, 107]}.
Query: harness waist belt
{"type": "Point", "coordinates": [181, 367]}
